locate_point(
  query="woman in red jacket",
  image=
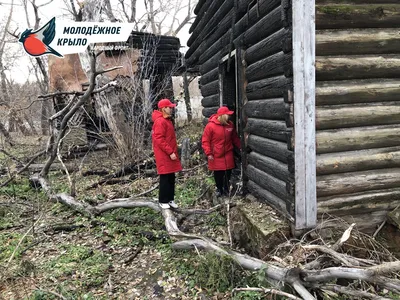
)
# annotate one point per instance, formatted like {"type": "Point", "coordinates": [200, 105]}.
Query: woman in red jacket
{"type": "Point", "coordinates": [165, 152]}
{"type": "Point", "coordinates": [218, 140]}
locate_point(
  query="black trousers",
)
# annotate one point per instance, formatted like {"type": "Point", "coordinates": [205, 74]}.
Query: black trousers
{"type": "Point", "coordinates": [166, 190]}
{"type": "Point", "coordinates": [222, 181]}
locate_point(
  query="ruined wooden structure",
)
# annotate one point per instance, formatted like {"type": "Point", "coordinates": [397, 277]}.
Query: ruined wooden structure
{"type": "Point", "coordinates": [316, 89]}
{"type": "Point", "coordinates": [143, 58]}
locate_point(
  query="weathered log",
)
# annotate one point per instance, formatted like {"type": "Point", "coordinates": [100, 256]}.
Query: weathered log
{"type": "Point", "coordinates": [357, 91]}
{"type": "Point", "coordinates": [357, 138]}
{"type": "Point", "coordinates": [359, 203]}
{"type": "Point", "coordinates": [210, 64]}
{"type": "Point", "coordinates": [210, 101]}
{"type": "Point", "coordinates": [331, 117]}
{"type": "Point", "coordinates": [199, 6]}
{"type": "Point", "coordinates": [357, 41]}
{"type": "Point", "coordinates": [272, 129]}
{"type": "Point", "coordinates": [273, 109]}
{"type": "Point", "coordinates": [209, 77]}
{"type": "Point", "coordinates": [268, 88]}
{"type": "Point", "coordinates": [271, 148]}
{"type": "Point", "coordinates": [209, 111]}
{"type": "Point", "coordinates": [281, 205]}
{"type": "Point", "coordinates": [273, 65]}
{"type": "Point", "coordinates": [202, 44]}
{"type": "Point", "coordinates": [271, 166]}
{"type": "Point", "coordinates": [266, 47]}
{"type": "Point", "coordinates": [262, 8]}
{"type": "Point", "coordinates": [199, 11]}
{"type": "Point", "coordinates": [352, 161]}
{"type": "Point", "coordinates": [357, 67]}
{"type": "Point", "coordinates": [337, 16]}
{"type": "Point", "coordinates": [210, 89]}
{"type": "Point", "coordinates": [211, 17]}
{"type": "Point", "coordinates": [267, 25]}
{"type": "Point", "coordinates": [346, 183]}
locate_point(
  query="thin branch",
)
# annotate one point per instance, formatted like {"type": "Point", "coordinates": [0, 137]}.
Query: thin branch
{"type": "Point", "coordinates": [265, 291]}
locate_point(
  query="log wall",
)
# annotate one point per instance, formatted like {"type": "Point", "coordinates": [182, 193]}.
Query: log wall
{"type": "Point", "coordinates": [358, 109]}
{"type": "Point", "coordinates": [262, 29]}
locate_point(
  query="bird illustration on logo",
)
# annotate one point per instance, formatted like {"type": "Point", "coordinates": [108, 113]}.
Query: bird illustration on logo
{"type": "Point", "coordinates": [36, 43]}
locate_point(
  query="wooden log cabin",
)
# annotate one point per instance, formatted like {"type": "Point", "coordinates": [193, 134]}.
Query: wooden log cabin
{"type": "Point", "coordinates": [316, 89]}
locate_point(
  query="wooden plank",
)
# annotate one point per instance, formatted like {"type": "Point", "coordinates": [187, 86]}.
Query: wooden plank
{"type": "Point", "coordinates": [361, 160]}
{"type": "Point", "coordinates": [357, 91]}
{"type": "Point", "coordinates": [339, 16]}
{"type": "Point", "coordinates": [304, 113]}
{"type": "Point", "coordinates": [333, 117]}
{"type": "Point", "coordinates": [357, 67]}
{"type": "Point", "coordinates": [241, 101]}
{"type": "Point", "coordinates": [354, 182]}
{"type": "Point", "coordinates": [357, 138]}
{"type": "Point", "coordinates": [358, 41]}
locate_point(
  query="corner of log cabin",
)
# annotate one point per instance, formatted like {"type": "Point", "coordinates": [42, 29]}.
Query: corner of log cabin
{"type": "Point", "coordinates": [357, 98]}
{"type": "Point", "coordinates": [357, 109]}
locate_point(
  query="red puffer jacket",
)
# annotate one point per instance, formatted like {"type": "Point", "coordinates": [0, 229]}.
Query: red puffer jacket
{"type": "Point", "coordinates": [218, 140]}
{"type": "Point", "coordinates": [164, 144]}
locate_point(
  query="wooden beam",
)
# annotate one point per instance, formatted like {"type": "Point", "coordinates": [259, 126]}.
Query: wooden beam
{"type": "Point", "coordinates": [304, 113]}
{"type": "Point", "coordinates": [357, 91]}
{"type": "Point", "coordinates": [211, 88]}
{"type": "Point", "coordinates": [358, 41]}
{"type": "Point", "coordinates": [335, 116]}
{"type": "Point", "coordinates": [271, 166]}
{"type": "Point", "coordinates": [339, 16]}
{"type": "Point", "coordinates": [273, 109]}
{"type": "Point", "coordinates": [273, 65]}
{"type": "Point", "coordinates": [210, 101]}
{"type": "Point", "coordinates": [266, 47]}
{"type": "Point", "coordinates": [274, 149]}
{"type": "Point", "coordinates": [357, 67]}
{"type": "Point", "coordinates": [361, 160]}
{"type": "Point", "coordinates": [357, 138]}
{"type": "Point", "coordinates": [268, 182]}
{"type": "Point", "coordinates": [268, 88]}
{"type": "Point", "coordinates": [354, 182]}
{"type": "Point", "coordinates": [271, 129]}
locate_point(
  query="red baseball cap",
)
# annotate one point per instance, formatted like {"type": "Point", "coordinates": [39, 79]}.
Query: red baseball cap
{"type": "Point", "coordinates": [165, 103]}
{"type": "Point", "coordinates": [224, 111]}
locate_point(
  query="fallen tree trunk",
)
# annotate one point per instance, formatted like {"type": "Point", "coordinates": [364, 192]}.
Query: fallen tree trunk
{"type": "Point", "coordinates": [299, 279]}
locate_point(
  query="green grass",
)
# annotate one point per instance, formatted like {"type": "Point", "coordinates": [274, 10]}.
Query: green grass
{"type": "Point", "coordinates": [84, 266]}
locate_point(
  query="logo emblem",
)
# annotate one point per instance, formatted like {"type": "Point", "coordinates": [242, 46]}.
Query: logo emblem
{"type": "Point", "coordinates": [36, 43]}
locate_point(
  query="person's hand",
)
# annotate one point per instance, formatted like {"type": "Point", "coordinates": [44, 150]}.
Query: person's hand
{"type": "Point", "coordinates": [210, 157]}
{"type": "Point", "coordinates": [173, 156]}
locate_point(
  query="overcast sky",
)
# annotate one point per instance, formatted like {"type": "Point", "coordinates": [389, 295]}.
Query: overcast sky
{"type": "Point", "coordinates": [56, 8]}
